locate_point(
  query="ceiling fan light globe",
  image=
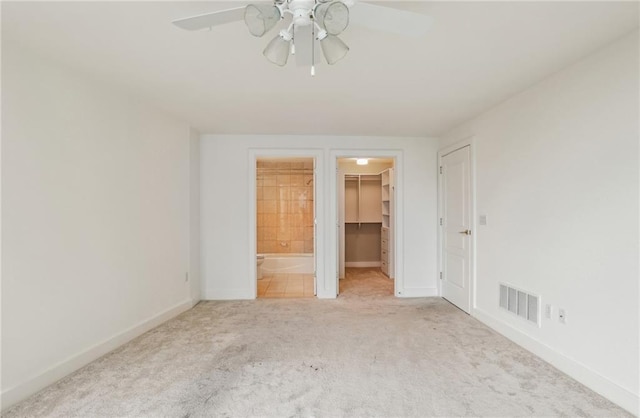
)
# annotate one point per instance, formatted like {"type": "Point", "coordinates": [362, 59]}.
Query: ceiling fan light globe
{"type": "Point", "coordinates": [333, 17]}
{"type": "Point", "coordinates": [260, 18]}
{"type": "Point", "coordinates": [277, 50]}
{"type": "Point", "coordinates": [333, 49]}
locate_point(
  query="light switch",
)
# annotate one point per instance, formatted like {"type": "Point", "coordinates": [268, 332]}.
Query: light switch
{"type": "Point", "coordinates": [483, 219]}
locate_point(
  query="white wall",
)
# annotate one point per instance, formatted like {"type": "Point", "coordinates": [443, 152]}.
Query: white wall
{"type": "Point", "coordinates": [557, 176]}
{"type": "Point", "coordinates": [194, 215]}
{"type": "Point", "coordinates": [95, 195]}
{"type": "Point", "coordinates": [226, 207]}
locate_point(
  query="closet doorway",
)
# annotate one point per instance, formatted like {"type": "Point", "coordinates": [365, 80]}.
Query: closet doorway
{"type": "Point", "coordinates": [366, 209]}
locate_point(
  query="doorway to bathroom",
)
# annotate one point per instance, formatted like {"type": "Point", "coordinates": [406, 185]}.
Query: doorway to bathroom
{"type": "Point", "coordinates": [285, 230]}
{"type": "Point", "coordinates": [366, 225]}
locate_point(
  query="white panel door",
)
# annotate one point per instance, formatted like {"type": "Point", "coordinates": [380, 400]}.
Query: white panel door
{"type": "Point", "coordinates": [456, 227]}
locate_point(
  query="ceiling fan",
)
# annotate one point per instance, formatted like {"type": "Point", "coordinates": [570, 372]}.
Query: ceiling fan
{"type": "Point", "coordinates": [323, 20]}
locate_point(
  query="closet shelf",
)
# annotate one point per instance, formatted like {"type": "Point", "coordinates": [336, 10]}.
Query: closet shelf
{"type": "Point", "coordinates": [386, 230]}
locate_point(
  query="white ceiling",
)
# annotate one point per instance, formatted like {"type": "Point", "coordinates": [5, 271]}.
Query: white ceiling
{"type": "Point", "coordinates": [476, 55]}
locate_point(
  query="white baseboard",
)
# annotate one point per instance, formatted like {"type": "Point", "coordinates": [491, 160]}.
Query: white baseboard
{"type": "Point", "coordinates": [418, 292]}
{"type": "Point", "coordinates": [582, 373]}
{"type": "Point", "coordinates": [362, 264]}
{"type": "Point", "coordinates": [56, 372]}
{"type": "Point", "coordinates": [228, 294]}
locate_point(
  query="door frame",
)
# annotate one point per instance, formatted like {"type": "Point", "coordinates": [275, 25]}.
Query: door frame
{"type": "Point", "coordinates": [470, 142]}
{"type": "Point", "coordinates": [319, 205]}
{"type": "Point", "coordinates": [333, 221]}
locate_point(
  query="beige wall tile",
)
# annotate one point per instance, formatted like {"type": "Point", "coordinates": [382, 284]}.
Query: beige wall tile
{"type": "Point", "coordinates": [295, 206]}
{"type": "Point", "coordinates": [297, 246]}
{"type": "Point", "coordinates": [283, 180]}
{"type": "Point", "coordinates": [270, 219]}
{"type": "Point", "coordinates": [284, 193]}
{"type": "Point", "coordinates": [269, 193]}
{"type": "Point", "coordinates": [307, 219]}
{"type": "Point", "coordinates": [283, 234]}
{"type": "Point", "coordinates": [308, 246]}
{"type": "Point", "coordinates": [269, 246]}
{"type": "Point", "coordinates": [296, 219]}
{"type": "Point", "coordinates": [295, 195]}
{"type": "Point", "coordinates": [283, 206]}
{"type": "Point", "coordinates": [297, 233]}
{"type": "Point", "coordinates": [269, 206]}
{"type": "Point", "coordinates": [270, 233]}
{"type": "Point", "coordinates": [308, 233]}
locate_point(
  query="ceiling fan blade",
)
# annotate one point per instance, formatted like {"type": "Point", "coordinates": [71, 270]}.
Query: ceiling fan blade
{"type": "Point", "coordinates": [390, 20]}
{"type": "Point", "coordinates": [208, 20]}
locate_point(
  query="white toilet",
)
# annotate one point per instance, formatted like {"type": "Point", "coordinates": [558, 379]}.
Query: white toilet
{"type": "Point", "coordinates": [260, 261]}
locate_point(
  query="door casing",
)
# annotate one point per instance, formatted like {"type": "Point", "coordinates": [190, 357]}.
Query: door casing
{"type": "Point", "coordinates": [332, 255]}
{"type": "Point", "coordinates": [319, 203]}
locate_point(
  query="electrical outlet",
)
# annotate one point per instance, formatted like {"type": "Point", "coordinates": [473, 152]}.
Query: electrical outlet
{"type": "Point", "coordinates": [548, 311]}
{"type": "Point", "coordinates": [562, 316]}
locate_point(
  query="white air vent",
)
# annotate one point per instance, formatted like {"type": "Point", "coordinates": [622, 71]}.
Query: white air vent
{"type": "Point", "coordinates": [519, 302]}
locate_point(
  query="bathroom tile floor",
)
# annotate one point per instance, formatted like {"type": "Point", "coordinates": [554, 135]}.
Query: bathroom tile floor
{"type": "Point", "coordinates": [286, 285]}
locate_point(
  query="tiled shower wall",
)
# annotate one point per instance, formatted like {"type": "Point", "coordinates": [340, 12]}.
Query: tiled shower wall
{"type": "Point", "coordinates": [285, 206]}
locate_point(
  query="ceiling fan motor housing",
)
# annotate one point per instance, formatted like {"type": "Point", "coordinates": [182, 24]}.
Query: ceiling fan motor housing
{"type": "Point", "coordinates": [301, 10]}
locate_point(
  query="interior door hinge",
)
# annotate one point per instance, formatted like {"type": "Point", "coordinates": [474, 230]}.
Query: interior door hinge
{"type": "Point", "coordinates": [440, 221]}
{"type": "Point", "coordinates": [440, 169]}
{"type": "Point", "coordinates": [440, 275]}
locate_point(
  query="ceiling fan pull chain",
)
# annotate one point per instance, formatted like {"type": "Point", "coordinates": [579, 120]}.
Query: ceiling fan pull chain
{"type": "Point", "coordinates": [293, 39]}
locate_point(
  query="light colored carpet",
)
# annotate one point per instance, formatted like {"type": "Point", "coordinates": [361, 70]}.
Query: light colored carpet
{"type": "Point", "coordinates": [364, 354]}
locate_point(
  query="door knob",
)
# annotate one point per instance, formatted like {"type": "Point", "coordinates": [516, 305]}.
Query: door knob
{"type": "Point", "coordinates": [466, 232]}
